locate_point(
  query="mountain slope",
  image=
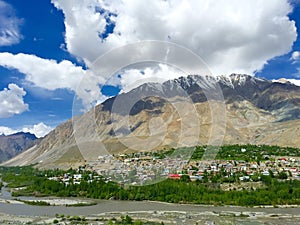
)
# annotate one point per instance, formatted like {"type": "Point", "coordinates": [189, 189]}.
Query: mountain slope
{"type": "Point", "coordinates": [193, 110]}
{"type": "Point", "coordinates": [14, 144]}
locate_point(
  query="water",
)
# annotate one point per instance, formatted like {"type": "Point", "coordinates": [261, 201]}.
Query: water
{"type": "Point", "coordinates": [105, 206]}
{"type": "Point", "coordinates": [110, 206]}
{"type": "Point", "coordinates": [4, 193]}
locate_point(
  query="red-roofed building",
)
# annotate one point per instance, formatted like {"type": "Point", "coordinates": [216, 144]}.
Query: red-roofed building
{"type": "Point", "coordinates": [283, 159]}
{"type": "Point", "coordinates": [174, 176]}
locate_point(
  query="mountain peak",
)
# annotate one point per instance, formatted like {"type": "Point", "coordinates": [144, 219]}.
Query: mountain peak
{"type": "Point", "coordinates": [257, 111]}
{"type": "Point", "coordinates": [227, 80]}
{"type": "Point", "coordinates": [26, 134]}
{"type": "Point", "coordinates": [13, 144]}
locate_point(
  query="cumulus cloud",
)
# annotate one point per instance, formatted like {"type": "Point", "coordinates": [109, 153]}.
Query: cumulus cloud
{"type": "Point", "coordinates": [132, 78]}
{"type": "Point", "coordinates": [294, 81]}
{"type": "Point", "coordinates": [295, 56]}
{"type": "Point", "coordinates": [44, 73]}
{"type": "Point", "coordinates": [39, 130]}
{"type": "Point", "coordinates": [11, 101]}
{"type": "Point", "coordinates": [9, 25]}
{"type": "Point", "coordinates": [52, 75]}
{"type": "Point", "coordinates": [7, 130]}
{"type": "Point", "coordinates": [231, 36]}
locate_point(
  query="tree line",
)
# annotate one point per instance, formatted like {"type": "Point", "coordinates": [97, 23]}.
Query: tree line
{"type": "Point", "coordinates": [276, 192]}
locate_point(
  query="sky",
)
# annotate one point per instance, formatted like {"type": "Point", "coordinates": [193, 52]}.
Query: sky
{"type": "Point", "coordinates": [49, 48]}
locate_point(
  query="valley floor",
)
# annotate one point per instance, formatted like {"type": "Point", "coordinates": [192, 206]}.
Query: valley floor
{"type": "Point", "coordinates": [205, 215]}
{"type": "Point", "coordinates": [242, 176]}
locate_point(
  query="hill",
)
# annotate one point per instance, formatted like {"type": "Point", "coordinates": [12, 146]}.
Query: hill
{"type": "Point", "coordinates": [14, 144]}
{"type": "Point", "coordinates": [188, 111]}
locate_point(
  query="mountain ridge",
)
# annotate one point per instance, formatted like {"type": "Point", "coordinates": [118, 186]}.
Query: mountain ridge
{"type": "Point", "coordinates": [13, 144]}
{"type": "Point", "coordinates": [245, 108]}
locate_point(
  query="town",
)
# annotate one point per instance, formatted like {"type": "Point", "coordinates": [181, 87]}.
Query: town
{"type": "Point", "coordinates": [238, 175]}
{"type": "Point", "coordinates": [147, 168]}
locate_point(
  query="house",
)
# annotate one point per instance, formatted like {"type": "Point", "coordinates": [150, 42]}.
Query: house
{"type": "Point", "coordinates": [265, 173]}
{"type": "Point", "coordinates": [175, 176]}
{"type": "Point", "coordinates": [77, 176]}
{"type": "Point", "coordinates": [294, 170]}
{"type": "Point", "coordinates": [194, 178]}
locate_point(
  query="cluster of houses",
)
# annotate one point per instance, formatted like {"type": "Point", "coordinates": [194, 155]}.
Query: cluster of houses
{"type": "Point", "coordinates": [76, 178]}
{"type": "Point", "coordinates": [245, 170]}
{"type": "Point", "coordinates": [142, 169]}
{"type": "Point", "coordinates": [136, 170]}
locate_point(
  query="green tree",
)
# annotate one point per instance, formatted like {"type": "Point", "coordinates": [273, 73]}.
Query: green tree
{"type": "Point", "coordinates": [282, 175]}
{"type": "Point", "coordinates": [185, 178]}
{"type": "Point", "coordinates": [128, 219]}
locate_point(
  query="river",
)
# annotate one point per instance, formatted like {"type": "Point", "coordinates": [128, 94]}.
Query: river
{"type": "Point", "coordinates": [110, 206]}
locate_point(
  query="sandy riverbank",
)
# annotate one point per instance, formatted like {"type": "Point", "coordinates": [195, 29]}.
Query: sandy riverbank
{"type": "Point", "coordinates": [168, 217]}
{"type": "Point", "coordinates": [9, 201]}
{"type": "Point", "coordinates": [61, 202]}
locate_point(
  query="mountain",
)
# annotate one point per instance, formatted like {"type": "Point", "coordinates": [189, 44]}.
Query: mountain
{"type": "Point", "coordinates": [188, 111]}
{"type": "Point", "coordinates": [14, 144]}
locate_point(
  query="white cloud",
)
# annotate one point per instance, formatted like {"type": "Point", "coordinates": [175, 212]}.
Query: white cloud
{"type": "Point", "coordinates": [296, 74]}
{"type": "Point", "coordinates": [39, 130]}
{"type": "Point", "coordinates": [48, 74]}
{"type": "Point", "coordinates": [231, 36]}
{"type": "Point", "coordinates": [133, 78]}
{"type": "Point", "coordinates": [9, 25]}
{"type": "Point", "coordinates": [52, 75]}
{"type": "Point", "coordinates": [295, 55]}
{"type": "Point", "coordinates": [7, 130]}
{"type": "Point", "coordinates": [11, 101]}
{"type": "Point", "coordinates": [294, 81]}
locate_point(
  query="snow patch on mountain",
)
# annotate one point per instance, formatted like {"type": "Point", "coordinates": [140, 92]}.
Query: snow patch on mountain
{"type": "Point", "coordinates": [284, 81]}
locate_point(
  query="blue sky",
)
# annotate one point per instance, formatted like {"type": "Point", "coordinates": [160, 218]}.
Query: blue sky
{"type": "Point", "coordinates": [283, 66]}
{"type": "Point", "coordinates": [47, 47]}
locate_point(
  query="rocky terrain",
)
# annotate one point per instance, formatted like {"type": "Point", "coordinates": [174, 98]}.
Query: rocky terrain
{"type": "Point", "coordinates": [193, 110]}
{"type": "Point", "coordinates": [14, 144]}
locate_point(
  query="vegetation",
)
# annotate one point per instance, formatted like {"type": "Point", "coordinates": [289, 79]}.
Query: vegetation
{"type": "Point", "coordinates": [226, 152]}
{"type": "Point", "coordinates": [82, 204]}
{"type": "Point", "coordinates": [40, 203]}
{"type": "Point", "coordinates": [176, 191]}
{"type": "Point", "coordinates": [18, 176]}
{"type": "Point", "coordinates": [127, 220]}
{"type": "Point", "coordinates": [248, 153]}
{"type": "Point", "coordinates": [275, 190]}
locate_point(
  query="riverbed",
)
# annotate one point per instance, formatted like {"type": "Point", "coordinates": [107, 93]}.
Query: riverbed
{"type": "Point", "coordinates": [167, 212]}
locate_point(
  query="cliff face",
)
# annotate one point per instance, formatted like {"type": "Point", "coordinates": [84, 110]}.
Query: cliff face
{"type": "Point", "coordinates": [193, 110]}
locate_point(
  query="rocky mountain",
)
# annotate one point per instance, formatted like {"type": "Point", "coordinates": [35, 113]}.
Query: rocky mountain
{"type": "Point", "coordinates": [188, 111]}
{"type": "Point", "coordinates": [14, 144]}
